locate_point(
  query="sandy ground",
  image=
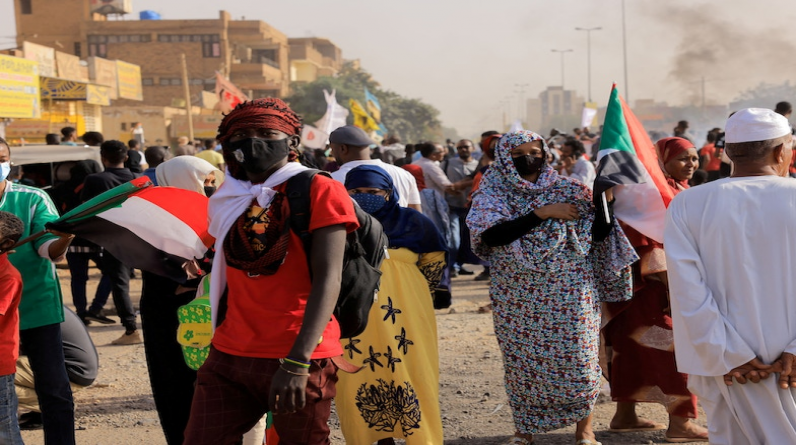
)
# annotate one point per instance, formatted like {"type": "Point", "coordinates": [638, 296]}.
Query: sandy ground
{"type": "Point", "coordinates": [118, 408]}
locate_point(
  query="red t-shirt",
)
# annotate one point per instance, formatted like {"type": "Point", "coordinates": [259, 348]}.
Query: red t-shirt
{"type": "Point", "coordinates": [715, 162]}
{"type": "Point", "coordinates": [265, 312]}
{"type": "Point", "coordinates": [10, 294]}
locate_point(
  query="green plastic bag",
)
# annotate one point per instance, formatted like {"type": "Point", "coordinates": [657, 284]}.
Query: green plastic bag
{"type": "Point", "coordinates": [196, 330]}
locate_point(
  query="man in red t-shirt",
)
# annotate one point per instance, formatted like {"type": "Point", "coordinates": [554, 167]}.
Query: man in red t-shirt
{"type": "Point", "coordinates": [272, 351]}
{"type": "Point", "coordinates": [11, 229]}
{"type": "Point", "coordinates": [709, 157]}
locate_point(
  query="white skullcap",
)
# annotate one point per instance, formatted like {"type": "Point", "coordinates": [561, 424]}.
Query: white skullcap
{"type": "Point", "coordinates": [755, 124]}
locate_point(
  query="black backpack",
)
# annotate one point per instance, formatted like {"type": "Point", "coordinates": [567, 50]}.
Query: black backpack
{"type": "Point", "coordinates": [364, 251]}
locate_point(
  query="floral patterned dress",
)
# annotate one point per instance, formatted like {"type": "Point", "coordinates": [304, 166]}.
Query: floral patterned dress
{"type": "Point", "coordinates": [546, 291]}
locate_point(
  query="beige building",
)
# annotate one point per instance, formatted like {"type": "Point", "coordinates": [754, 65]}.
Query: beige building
{"type": "Point", "coordinates": [252, 53]}
{"type": "Point", "coordinates": [313, 57]}
{"type": "Point", "coordinates": [554, 108]}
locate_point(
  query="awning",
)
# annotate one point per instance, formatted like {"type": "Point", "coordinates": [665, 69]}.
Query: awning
{"type": "Point", "coordinates": [53, 88]}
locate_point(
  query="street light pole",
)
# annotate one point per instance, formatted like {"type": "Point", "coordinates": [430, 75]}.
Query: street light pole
{"type": "Point", "coordinates": [562, 51]}
{"type": "Point", "coordinates": [588, 50]}
{"type": "Point", "coordinates": [521, 106]}
{"type": "Point", "coordinates": [624, 51]}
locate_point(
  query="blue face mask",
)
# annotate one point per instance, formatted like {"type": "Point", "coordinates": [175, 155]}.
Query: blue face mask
{"type": "Point", "coordinates": [369, 203]}
{"type": "Point", "coordinates": [5, 169]}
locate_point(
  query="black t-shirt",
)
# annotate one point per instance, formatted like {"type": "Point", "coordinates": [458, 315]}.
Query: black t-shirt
{"type": "Point", "coordinates": [133, 161]}
{"type": "Point", "coordinates": [102, 182]}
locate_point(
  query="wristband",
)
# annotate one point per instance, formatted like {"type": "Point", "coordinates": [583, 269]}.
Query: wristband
{"type": "Point", "coordinates": [293, 373]}
{"type": "Point", "coordinates": [294, 362]}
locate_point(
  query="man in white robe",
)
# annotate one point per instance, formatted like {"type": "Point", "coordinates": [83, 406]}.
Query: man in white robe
{"type": "Point", "coordinates": [729, 250]}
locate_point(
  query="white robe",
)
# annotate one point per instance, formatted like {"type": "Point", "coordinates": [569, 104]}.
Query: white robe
{"type": "Point", "coordinates": [731, 253]}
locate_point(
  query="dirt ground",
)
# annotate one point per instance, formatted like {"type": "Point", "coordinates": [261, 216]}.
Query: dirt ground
{"type": "Point", "coordinates": [118, 407]}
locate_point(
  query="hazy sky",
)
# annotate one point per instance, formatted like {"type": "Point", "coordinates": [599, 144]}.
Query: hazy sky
{"type": "Point", "coordinates": [466, 56]}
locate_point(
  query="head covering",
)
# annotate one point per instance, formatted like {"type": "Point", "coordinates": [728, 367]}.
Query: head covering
{"type": "Point", "coordinates": [503, 173]}
{"type": "Point", "coordinates": [487, 141]}
{"type": "Point", "coordinates": [668, 149]}
{"type": "Point", "coordinates": [755, 124]}
{"type": "Point", "coordinates": [350, 135]}
{"type": "Point", "coordinates": [417, 172]}
{"type": "Point", "coordinates": [268, 112]}
{"type": "Point", "coordinates": [185, 172]}
{"type": "Point", "coordinates": [404, 227]}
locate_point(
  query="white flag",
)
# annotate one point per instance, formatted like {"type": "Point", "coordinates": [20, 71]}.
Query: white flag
{"type": "Point", "coordinates": [229, 96]}
{"type": "Point", "coordinates": [335, 116]}
{"type": "Point", "coordinates": [589, 112]}
{"type": "Point", "coordinates": [313, 138]}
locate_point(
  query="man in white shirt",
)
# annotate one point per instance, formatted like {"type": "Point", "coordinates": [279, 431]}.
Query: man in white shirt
{"type": "Point", "coordinates": [730, 260]}
{"type": "Point", "coordinates": [574, 163]}
{"type": "Point", "coordinates": [351, 148]}
{"type": "Point", "coordinates": [431, 155]}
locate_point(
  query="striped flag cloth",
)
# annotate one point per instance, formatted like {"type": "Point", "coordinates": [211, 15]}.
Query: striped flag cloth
{"type": "Point", "coordinates": [156, 229]}
{"type": "Point", "coordinates": [627, 161]}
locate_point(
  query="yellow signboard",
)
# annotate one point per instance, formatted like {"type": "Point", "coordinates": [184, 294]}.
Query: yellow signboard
{"type": "Point", "coordinates": [103, 72]}
{"type": "Point", "coordinates": [19, 88]}
{"type": "Point", "coordinates": [42, 54]}
{"type": "Point", "coordinates": [98, 95]}
{"type": "Point", "coordinates": [69, 67]}
{"type": "Point", "coordinates": [129, 81]}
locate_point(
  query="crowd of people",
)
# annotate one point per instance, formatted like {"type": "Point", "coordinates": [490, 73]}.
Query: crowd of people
{"type": "Point", "coordinates": [703, 316]}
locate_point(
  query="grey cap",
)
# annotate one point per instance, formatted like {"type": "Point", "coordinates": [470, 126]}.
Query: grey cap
{"type": "Point", "coordinates": [350, 135]}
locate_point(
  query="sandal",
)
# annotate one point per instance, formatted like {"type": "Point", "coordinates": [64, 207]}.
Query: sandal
{"type": "Point", "coordinates": [515, 440]}
{"type": "Point", "coordinates": [588, 442]}
{"type": "Point", "coordinates": [669, 439]}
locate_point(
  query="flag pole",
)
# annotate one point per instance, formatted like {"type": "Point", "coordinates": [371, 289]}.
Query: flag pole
{"type": "Point", "coordinates": [29, 239]}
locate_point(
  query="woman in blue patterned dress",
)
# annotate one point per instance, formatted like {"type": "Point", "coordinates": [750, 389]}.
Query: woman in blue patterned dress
{"type": "Point", "coordinates": [554, 260]}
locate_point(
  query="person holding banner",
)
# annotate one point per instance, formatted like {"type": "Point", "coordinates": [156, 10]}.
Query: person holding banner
{"type": "Point", "coordinates": [638, 332]}
{"type": "Point", "coordinates": [554, 259]}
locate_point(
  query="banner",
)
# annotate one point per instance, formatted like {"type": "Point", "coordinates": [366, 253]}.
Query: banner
{"type": "Point", "coordinates": [372, 105]}
{"type": "Point", "coordinates": [229, 96]}
{"type": "Point", "coordinates": [42, 54]}
{"type": "Point", "coordinates": [19, 88]}
{"type": "Point", "coordinates": [103, 72]}
{"type": "Point", "coordinates": [69, 67]}
{"type": "Point", "coordinates": [205, 126]}
{"type": "Point", "coordinates": [129, 81]}
{"type": "Point", "coordinates": [588, 115]}
{"type": "Point", "coordinates": [361, 117]}
{"type": "Point", "coordinates": [335, 116]}
{"type": "Point", "coordinates": [313, 138]}
{"type": "Point", "coordinates": [98, 95]}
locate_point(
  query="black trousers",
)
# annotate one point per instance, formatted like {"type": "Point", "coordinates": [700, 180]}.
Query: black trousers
{"type": "Point", "coordinates": [45, 351]}
{"type": "Point", "coordinates": [171, 379]}
{"type": "Point", "coordinates": [119, 275]}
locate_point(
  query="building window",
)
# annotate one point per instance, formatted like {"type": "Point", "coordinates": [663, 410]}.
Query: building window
{"type": "Point", "coordinates": [196, 81]}
{"type": "Point", "coordinates": [211, 50]}
{"type": "Point", "coordinates": [97, 49]}
{"type": "Point", "coordinates": [26, 7]}
{"type": "Point", "coordinates": [147, 81]}
{"type": "Point", "coordinates": [169, 81]}
{"type": "Point", "coordinates": [78, 49]}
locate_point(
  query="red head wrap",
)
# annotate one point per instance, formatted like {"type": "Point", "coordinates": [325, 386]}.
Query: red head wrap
{"type": "Point", "coordinates": [668, 149]}
{"type": "Point", "coordinates": [486, 142]}
{"type": "Point", "coordinates": [268, 112]}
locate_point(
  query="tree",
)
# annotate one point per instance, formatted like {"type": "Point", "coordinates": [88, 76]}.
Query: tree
{"type": "Point", "coordinates": [411, 119]}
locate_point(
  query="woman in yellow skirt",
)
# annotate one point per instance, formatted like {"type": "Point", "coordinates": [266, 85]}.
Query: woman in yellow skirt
{"type": "Point", "coordinates": [396, 394]}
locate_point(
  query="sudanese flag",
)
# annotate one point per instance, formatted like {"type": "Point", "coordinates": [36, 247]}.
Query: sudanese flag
{"type": "Point", "coordinates": [628, 162]}
{"type": "Point", "coordinates": [156, 229]}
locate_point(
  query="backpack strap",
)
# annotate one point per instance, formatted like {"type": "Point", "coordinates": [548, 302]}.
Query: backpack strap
{"type": "Point", "coordinates": [299, 199]}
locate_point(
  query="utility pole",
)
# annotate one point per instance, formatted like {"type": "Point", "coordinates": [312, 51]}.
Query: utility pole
{"type": "Point", "coordinates": [562, 52]}
{"type": "Point", "coordinates": [588, 55]}
{"type": "Point", "coordinates": [187, 89]}
{"type": "Point", "coordinates": [521, 106]}
{"type": "Point", "coordinates": [703, 94]}
{"type": "Point", "coordinates": [624, 51]}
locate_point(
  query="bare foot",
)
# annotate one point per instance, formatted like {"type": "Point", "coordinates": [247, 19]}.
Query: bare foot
{"type": "Point", "coordinates": [683, 428]}
{"type": "Point", "coordinates": [635, 423]}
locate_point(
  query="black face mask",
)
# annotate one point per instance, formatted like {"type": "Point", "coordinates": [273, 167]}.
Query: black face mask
{"type": "Point", "coordinates": [257, 155]}
{"type": "Point", "coordinates": [528, 165]}
{"type": "Point", "coordinates": [209, 190]}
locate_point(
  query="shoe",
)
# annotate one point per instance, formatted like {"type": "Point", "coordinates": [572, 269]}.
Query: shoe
{"type": "Point", "coordinates": [454, 274]}
{"type": "Point", "coordinates": [463, 271]}
{"type": "Point", "coordinates": [483, 276]}
{"type": "Point", "coordinates": [128, 338]}
{"type": "Point", "coordinates": [670, 439]}
{"type": "Point", "coordinates": [84, 320]}
{"type": "Point", "coordinates": [99, 318]}
{"type": "Point", "coordinates": [30, 421]}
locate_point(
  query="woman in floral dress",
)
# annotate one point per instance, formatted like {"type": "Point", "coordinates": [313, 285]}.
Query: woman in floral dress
{"type": "Point", "coordinates": [554, 260]}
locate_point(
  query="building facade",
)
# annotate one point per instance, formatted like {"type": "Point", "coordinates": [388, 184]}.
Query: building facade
{"type": "Point", "coordinates": [313, 57]}
{"type": "Point", "coordinates": [253, 54]}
